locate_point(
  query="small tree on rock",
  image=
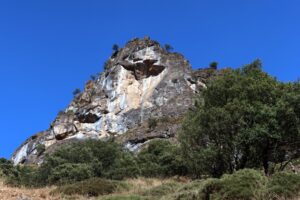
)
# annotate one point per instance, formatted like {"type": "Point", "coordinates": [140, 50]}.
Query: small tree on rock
{"type": "Point", "coordinates": [213, 65]}
{"type": "Point", "coordinates": [115, 47]}
{"type": "Point", "coordinates": [168, 48]}
{"type": "Point", "coordinates": [76, 92]}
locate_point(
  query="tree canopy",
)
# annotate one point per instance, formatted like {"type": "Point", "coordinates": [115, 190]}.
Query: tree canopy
{"type": "Point", "coordinates": [244, 119]}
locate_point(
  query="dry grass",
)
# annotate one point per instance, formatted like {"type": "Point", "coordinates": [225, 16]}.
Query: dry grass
{"type": "Point", "coordinates": [140, 185]}
{"type": "Point", "coordinates": [14, 193]}
{"type": "Point", "coordinates": [136, 186]}
{"type": "Point", "coordinates": [11, 193]}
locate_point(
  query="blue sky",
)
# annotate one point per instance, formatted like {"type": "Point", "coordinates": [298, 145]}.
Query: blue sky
{"type": "Point", "coordinates": [48, 48]}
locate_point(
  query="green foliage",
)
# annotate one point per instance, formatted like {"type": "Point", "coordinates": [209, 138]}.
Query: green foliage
{"type": "Point", "coordinates": [161, 158]}
{"type": "Point", "coordinates": [69, 173]}
{"type": "Point", "coordinates": [106, 66]}
{"type": "Point", "coordinates": [6, 167]}
{"type": "Point", "coordinates": [244, 184]}
{"type": "Point", "coordinates": [168, 48]}
{"type": "Point", "coordinates": [248, 119]}
{"type": "Point", "coordinates": [23, 176]}
{"type": "Point", "coordinates": [125, 166]}
{"type": "Point", "coordinates": [285, 185]}
{"type": "Point", "coordinates": [213, 65]}
{"type": "Point", "coordinates": [152, 123]}
{"type": "Point", "coordinates": [91, 187]}
{"type": "Point", "coordinates": [40, 148]}
{"type": "Point", "coordinates": [251, 184]}
{"type": "Point", "coordinates": [75, 162]}
{"type": "Point", "coordinates": [115, 47]}
{"type": "Point", "coordinates": [87, 159]}
{"type": "Point", "coordinates": [76, 92]}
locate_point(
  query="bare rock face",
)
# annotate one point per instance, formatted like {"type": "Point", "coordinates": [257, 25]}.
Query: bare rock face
{"type": "Point", "coordinates": [142, 81]}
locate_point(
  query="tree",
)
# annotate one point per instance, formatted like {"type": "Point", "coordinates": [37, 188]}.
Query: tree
{"type": "Point", "coordinates": [106, 66]}
{"type": "Point", "coordinates": [213, 65]}
{"type": "Point", "coordinates": [168, 48]}
{"type": "Point", "coordinates": [76, 92]}
{"type": "Point", "coordinates": [93, 77]}
{"type": "Point", "coordinates": [40, 148]}
{"type": "Point", "coordinates": [86, 159]}
{"type": "Point", "coordinates": [115, 47]}
{"type": "Point", "coordinates": [248, 119]}
{"type": "Point", "coordinates": [161, 159]}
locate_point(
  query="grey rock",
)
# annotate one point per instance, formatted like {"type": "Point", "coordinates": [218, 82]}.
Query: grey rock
{"type": "Point", "coordinates": [142, 81]}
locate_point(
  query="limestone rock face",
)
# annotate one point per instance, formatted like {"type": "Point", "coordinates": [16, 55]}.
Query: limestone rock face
{"type": "Point", "coordinates": [142, 81]}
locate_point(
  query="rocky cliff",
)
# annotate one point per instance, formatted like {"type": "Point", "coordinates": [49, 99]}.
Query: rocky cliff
{"type": "Point", "coordinates": [142, 95]}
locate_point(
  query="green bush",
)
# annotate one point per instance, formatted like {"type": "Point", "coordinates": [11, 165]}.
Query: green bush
{"type": "Point", "coordinates": [125, 166]}
{"type": "Point", "coordinates": [69, 173]}
{"type": "Point", "coordinates": [91, 187]}
{"type": "Point", "coordinates": [23, 176]}
{"type": "Point", "coordinates": [6, 167]}
{"type": "Point", "coordinates": [88, 159]}
{"type": "Point", "coordinates": [286, 185]}
{"type": "Point", "coordinates": [248, 119]}
{"type": "Point", "coordinates": [161, 159]}
{"type": "Point", "coordinates": [115, 48]}
{"type": "Point", "coordinates": [75, 162]}
{"type": "Point", "coordinates": [40, 148]}
{"type": "Point", "coordinates": [76, 92]}
{"type": "Point", "coordinates": [245, 184]}
{"type": "Point", "coordinates": [168, 48]}
{"type": "Point", "coordinates": [213, 65]}
{"type": "Point", "coordinates": [152, 123]}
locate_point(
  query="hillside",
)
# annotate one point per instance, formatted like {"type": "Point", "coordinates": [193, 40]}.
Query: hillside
{"type": "Point", "coordinates": [141, 82]}
{"type": "Point", "coordinates": [150, 127]}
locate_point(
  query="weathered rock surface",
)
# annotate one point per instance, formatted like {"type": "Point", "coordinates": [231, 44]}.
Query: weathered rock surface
{"type": "Point", "coordinates": [142, 81]}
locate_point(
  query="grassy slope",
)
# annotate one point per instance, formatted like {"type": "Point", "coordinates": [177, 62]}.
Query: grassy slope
{"type": "Point", "coordinates": [14, 193]}
{"type": "Point", "coordinates": [136, 189]}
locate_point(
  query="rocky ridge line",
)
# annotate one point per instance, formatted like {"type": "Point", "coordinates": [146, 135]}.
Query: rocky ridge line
{"type": "Point", "coordinates": [142, 81]}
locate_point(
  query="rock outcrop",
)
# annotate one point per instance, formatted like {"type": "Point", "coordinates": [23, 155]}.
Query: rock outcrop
{"type": "Point", "coordinates": [142, 83]}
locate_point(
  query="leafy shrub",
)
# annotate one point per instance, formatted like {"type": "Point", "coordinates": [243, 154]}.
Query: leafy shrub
{"type": "Point", "coordinates": [75, 162]}
{"type": "Point", "coordinates": [248, 120]}
{"type": "Point", "coordinates": [152, 123]}
{"type": "Point", "coordinates": [91, 187]}
{"type": "Point", "coordinates": [196, 190]}
{"type": "Point", "coordinates": [23, 176]}
{"type": "Point", "coordinates": [168, 48]}
{"type": "Point", "coordinates": [6, 167]}
{"type": "Point", "coordinates": [285, 185]}
{"type": "Point", "coordinates": [86, 159]}
{"type": "Point", "coordinates": [245, 184]}
{"type": "Point", "coordinates": [69, 172]}
{"type": "Point", "coordinates": [76, 92]}
{"type": "Point", "coordinates": [107, 65]}
{"type": "Point", "coordinates": [161, 158]}
{"type": "Point", "coordinates": [213, 65]}
{"type": "Point", "coordinates": [40, 148]}
{"type": "Point", "coordinates": [115, 47]}
{"type": "Point", "coordinates": [125, 166]}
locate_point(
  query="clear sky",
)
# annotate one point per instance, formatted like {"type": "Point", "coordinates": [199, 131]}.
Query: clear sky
{"type": "Point", "coordinates": [50, 47]}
